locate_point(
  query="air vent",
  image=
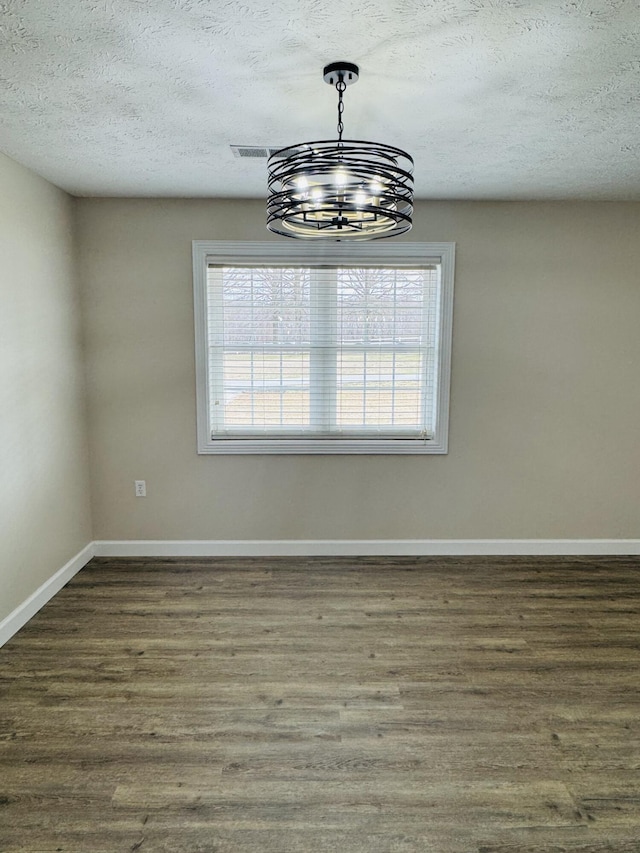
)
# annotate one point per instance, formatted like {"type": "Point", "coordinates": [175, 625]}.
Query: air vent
{"type": "Point", "coordinates": [259, 152]}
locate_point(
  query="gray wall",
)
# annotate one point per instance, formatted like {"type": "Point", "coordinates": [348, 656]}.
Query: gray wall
{"type": "Point", "coordinates": [545, 401]}
{"type": "Point", "coordinates": [44, 491]}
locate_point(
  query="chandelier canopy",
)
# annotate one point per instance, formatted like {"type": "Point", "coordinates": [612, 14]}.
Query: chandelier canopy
{"type": "Point", "coordinates": [340, 189]}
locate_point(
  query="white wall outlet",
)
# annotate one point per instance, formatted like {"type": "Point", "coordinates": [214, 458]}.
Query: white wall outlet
{"type": "Point", "coordinates": [141, 488]}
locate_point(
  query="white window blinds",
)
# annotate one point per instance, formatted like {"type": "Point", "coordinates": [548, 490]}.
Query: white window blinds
{"type": "Point", "coordinates": [322, 355]}
{"type": "Point", "coordinates": [322, 351]}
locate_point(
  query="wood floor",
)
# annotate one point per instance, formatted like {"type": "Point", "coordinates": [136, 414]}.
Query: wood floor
{"type": "Point", "coordinates": [307, 705]}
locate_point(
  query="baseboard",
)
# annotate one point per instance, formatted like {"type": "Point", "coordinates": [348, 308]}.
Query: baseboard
{"type": "Point", "coordinates": [12, 623]}
{"type": "Point", "coordinates": [363, 547]}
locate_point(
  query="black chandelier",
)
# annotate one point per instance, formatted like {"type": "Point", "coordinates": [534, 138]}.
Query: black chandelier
{"type": "Point", "coordinates": [340, 189]}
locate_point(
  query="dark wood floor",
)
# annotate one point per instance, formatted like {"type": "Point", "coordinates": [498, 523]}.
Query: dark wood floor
{"type": "Point", "coordinates": [299, 706]}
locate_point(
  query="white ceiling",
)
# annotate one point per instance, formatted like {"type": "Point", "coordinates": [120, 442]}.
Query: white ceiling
{"type": "Point", "coordinates": [495, 99]}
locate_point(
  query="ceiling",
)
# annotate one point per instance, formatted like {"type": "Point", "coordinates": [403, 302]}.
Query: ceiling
{"type": "Point", "coordinates": [495, 99]}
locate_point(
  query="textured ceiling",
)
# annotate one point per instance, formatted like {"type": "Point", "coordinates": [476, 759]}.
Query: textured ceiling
{"type": "Point", "coordinates": [495, 99]}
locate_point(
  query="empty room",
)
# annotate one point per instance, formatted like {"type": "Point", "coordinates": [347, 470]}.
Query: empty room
{"type": "Point", "coordinates": [319, 426]}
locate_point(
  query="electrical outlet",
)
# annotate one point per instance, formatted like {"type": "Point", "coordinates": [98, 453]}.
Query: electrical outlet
{"type": "Point", "coordinates": [141, 488]}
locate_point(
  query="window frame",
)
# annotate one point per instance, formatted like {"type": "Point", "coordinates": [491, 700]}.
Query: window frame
{"type": "Point", "coordinates": [322, 254]}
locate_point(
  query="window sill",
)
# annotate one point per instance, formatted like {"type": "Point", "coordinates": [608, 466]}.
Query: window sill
{"type": "Point", "coordinates": [320, 447]}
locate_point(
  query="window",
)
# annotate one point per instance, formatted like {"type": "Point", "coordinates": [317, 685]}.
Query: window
{"type": "Point", "coordinates": [323, 349]}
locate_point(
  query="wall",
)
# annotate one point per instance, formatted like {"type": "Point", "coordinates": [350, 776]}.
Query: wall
{"type": "Point", "coordinates": [545, 393]}
{"type": "Point", "coordinates": [44, 491]}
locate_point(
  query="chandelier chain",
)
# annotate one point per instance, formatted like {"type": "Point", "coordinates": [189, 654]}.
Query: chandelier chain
{"type": "Point", "coordinates": [340, 88]}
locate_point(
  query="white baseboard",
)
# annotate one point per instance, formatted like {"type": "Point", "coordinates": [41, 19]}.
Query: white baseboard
{"type": "Point", "coordinates": [12, 623]}
{"type": "Point", "coordinates": [362, 547]}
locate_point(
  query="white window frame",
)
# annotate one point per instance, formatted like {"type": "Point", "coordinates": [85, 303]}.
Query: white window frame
{"type": "Point", "coordinates": [275, 253]}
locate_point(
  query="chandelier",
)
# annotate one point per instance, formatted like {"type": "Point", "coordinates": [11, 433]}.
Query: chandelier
{"type": "Point", "coordinates": [340, 189]}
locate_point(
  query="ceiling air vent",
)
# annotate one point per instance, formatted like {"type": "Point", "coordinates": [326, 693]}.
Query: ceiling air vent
{"type": "Point", "coordinates": [260, 152]}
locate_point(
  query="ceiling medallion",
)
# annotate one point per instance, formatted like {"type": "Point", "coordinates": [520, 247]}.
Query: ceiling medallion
{"type": "Point", "coordinates": [340, 189]}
